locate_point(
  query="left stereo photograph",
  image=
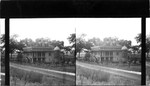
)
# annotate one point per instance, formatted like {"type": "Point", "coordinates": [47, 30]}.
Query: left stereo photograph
{"type": "Point", "coordinates": [42, 52]}
{"type": "Point", "coordinates": [2, 51]}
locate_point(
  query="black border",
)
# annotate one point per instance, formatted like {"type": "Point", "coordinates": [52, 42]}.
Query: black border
{"type": "Point", "coordinates": [73, 8]}
{"type": "Point", "coordinates": [7, 75]}
{"type": "Point", "coordinates": [143, 56]}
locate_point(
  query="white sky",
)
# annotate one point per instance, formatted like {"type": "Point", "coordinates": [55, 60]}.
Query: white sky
{"type": "Point", "coordinates": [123, 28]}
{"type": "Point", "coordinates": [61, 28]}
{"type": "Point", "coordinates": [55, 29]}
{"type": "Point", "coordinates": [147, 26]}
{"type": "Point", "coordinates": [2, 26]}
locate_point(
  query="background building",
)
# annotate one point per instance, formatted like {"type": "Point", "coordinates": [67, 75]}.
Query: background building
{"type": "Point", "coordinates": [39, 54]}
{"type": "Point", "coordinates": [109, 53]}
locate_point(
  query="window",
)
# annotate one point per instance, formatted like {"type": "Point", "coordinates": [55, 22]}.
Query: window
{"type": "Point", "coordinates": [43, 54]}
{"type": "Point", "coordinates": [49, 54]}
{"type": "Point", "coordinates": [111, 58]}
{"type": "Point", "coordinates": [39, 54]}
{"type": "Point", "coordinates": [111, 53]}
{"type": "Point", "coordinates": [117, 53]}
{"type": "Point", "coordinates": [107, 53]}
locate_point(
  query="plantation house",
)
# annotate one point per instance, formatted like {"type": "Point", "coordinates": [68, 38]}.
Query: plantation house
{"type": "Point", "coordinates": [109, 53]}
{"type": "Point", "coordinates": [39, 54]}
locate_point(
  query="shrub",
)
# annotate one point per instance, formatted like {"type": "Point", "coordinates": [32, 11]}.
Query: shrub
{"type": "Point", "coordinates": [87, 56]}
{"type": "Point", "coordinates": [95, 75]}
{"type": "Point", "coordinates": [30, 78]}
{"type": "Point", "coordinates": [33, 77]}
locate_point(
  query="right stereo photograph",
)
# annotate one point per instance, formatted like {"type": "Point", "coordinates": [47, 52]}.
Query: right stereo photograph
{"type": "Point", "coordinates": [148, 51]}
{"type": "Point", "coordinates": [108, 51]}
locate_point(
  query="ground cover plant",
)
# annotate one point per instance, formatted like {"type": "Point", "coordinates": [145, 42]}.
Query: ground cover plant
{"type": "Point", "coordinates": [2, 76]}
{"type": "Point", "coordinates": [85, 76]}
{"type": "Point", "coordinates": [124, 66]}
{"type": "Point", "coordinates": [2, 82]}
{"type": "Point", "coordinates": [59, 67]}
{"type": "Point", "coordinates": [147, 75]}
{"type": "Point", "coordinates": [25, 78]}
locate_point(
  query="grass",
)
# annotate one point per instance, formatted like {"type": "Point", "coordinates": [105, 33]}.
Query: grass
{"type": "Point", "coordinates": [2, 80]}
{"type": "Point", "coordinates": [66, 68]}
{"type": "Point", "coordinates": [25, 78]}
{"type": "Point", "coordinates": [2, 68]}
{"type": "Point", "coordinates": [86, 76]}
{"type": "Point", "coordinates": [147, 75]}
{"type": "Point", "coordinates": [2, 76]}
{"type": "Point", "coordinates": [118, 65]}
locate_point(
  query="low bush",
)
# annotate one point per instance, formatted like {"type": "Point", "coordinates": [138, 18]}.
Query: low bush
{"type": "Point", "coordinates": [95, 75]}
{"type": "Point", "coordinates": [30, 78]}
{"type": "Point", "coordinates": [87, 76]}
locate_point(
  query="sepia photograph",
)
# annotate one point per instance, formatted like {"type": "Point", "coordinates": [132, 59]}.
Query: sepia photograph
{"type": "Point", "coordinates": [2, 51]}
{"type": "Point", "coordinates": [42, 52]}
{"type": "Point", "coordinates": [147, 51]}
{"type": "Point", "coordinates": [108, 51]}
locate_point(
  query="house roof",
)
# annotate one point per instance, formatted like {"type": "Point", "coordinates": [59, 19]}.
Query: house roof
{"type": "Point", "coordinates": [36, 49]}
{"type": "Point", "coordinates": [56, 48]}
{"type": "Point", "coordinates": [106, 48]}
{"type": "Point", "coordinates": [124, 48]}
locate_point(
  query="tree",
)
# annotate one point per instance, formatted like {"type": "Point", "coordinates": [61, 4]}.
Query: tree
{"type": "Point", "coordinates": [126, 43]}
{"type": "Point", "coordinates": [12, 44]}
{"type": "Point", "coordinates": [20, 45]}
{"type": "Point", "coordinates": [88, 45]}
{"type": "Point", "coordinates": [138, 39]}
{"type": "Point", "coordinates": [80, 43]}
{"type": "Point", "coordinates": [135, 49]}
{"type": "Point", "coordinates": [95, 41]}
{"type": "Point", "coordinates": [147, 44]}
{"type": "Point", "coordinates": [55, 43]}
{"type": "Point", "coordinates": [72, 39]}
{"type": "Point", "coordinates": [2, 43]}
{"type": "Point", "coordinates": [110, 41]}
{"type": "Point", "coordinates": [19, 57]}
{"type": "Point", "coordinates": [2, 39]}
{"type": "Point", "coordinates": [27, 42]}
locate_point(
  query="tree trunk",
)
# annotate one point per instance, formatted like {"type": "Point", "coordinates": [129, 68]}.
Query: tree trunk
{"type": "Point", "coordinates": [11, 55]}
{"type": "Point", "coordinates": [79, 54]}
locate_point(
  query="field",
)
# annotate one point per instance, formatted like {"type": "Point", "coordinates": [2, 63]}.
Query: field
{"type": "Point", "coordinates": [124, 66]}
{"type": "Point", "coordinates": [24, 78]}
{"type": "Point", "coordinates": [65, 67]}
{"type": "Point", "coordinates": [2, 80]}
{"type": "Point", "coordinates": [2, 76]}
{"type": "Point", "coordinates": [148, 75]}
{"type": "Point", "coordinates": [86, 76]}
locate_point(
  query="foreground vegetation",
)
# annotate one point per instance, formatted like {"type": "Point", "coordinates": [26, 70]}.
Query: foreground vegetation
{"type": "Point", "coordinates": [124, 66]}
{"type": "Point", "coordinates": [24, 78]}
{"type": "Point", "coordinates": [86, 76]}
{"type": "Point", "coordinates": [59, 67]}
{"type": "Point", "coordinates": [147, 75]}
{"type": "Point", "coordinates": [2, 80]}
